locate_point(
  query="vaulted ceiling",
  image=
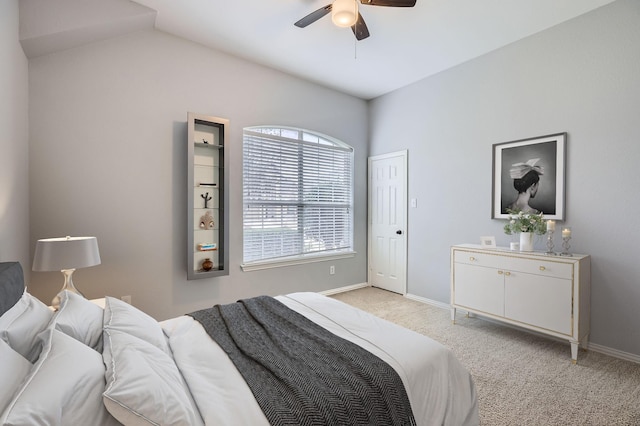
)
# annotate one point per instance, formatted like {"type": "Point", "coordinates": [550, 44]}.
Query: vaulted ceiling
{"type": "Point", "coordinates": [406, 44]}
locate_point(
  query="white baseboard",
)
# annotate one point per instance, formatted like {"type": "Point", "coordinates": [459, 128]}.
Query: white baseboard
{"type": "Point", "coordinates": [613, 352]}
{"type": "Point", "coordinates": [343, 289]}
{"type": "Point", "coordinates": [590, 346]}
{"type": "Point", "coordinates": [428, 301]}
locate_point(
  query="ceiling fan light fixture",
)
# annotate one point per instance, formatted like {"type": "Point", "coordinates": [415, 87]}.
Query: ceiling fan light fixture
{"type": "Point", "coordinates": [344, 13]}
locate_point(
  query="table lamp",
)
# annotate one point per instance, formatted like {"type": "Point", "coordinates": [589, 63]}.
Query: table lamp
{"type": "Point", "coordinates": [66, 254]}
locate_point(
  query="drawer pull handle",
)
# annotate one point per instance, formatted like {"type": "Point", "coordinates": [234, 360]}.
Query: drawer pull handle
{"type": "Point", "coordinates": [500, 272]}
{"type": "Point", "coordinates": [542, 268]}
{"type": "Point", "coordinates": [472, 259]}
{"type": "Point", "coordinates": [507, 274]}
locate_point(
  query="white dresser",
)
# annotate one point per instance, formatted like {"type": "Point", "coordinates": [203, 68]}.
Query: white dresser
{"type": "Point", "coordinates": [547, 294]}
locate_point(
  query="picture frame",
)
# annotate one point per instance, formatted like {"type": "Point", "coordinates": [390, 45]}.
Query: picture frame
{"type": "Point", "coordinates": [488, 242]}
{"type": "Point", "coordinates": [516, 164]}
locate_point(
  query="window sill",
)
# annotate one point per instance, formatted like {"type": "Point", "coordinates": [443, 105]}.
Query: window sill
{"type": "Point", "coordinates": [298, 260]}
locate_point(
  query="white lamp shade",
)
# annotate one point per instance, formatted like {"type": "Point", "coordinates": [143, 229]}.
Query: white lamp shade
{"type": "Point", "coordinates": [56, 254]}
{"type": "Point", "coordinates": [344, 13]}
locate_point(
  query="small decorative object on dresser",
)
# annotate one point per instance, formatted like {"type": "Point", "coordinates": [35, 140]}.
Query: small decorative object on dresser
{"type": "Point", "coordinates": [488, 242]}
{"type": "Point", "coordinates": [551, 227]}
{"type": "Point", "coordinates": [526, 241]}
{"type": "Point", "coordinates": [525, 224]}
{"type": "Point", "coordinates": [566, 236]}
{"type": "Point", "coordinates": [530, 290]}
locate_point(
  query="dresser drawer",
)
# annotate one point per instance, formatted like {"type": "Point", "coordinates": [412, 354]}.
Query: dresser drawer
{"type": "Point", "coordinates": [513, 262]}
{"type": "Point", "coordinates": [542, 267]}
{"type": "Point", "coordinates": [479, 259]}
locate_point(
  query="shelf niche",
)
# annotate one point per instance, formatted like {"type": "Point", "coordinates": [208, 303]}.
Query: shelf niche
{"type": "Point", "coordinates": [208, 196]}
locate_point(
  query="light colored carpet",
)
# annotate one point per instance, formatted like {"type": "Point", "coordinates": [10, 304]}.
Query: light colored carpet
{"type": "Point", "coordinates": [521, 378]}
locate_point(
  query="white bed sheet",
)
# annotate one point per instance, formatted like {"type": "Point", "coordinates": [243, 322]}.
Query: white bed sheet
{"type": "Point", "coordinates": [440, 389]}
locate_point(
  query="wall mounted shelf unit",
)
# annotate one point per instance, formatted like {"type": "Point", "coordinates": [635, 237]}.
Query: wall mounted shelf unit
{"type": "Point", "coordinates": [208, 196]}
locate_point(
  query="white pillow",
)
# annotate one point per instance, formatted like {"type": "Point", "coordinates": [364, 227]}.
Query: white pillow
{"type": "Point", "coordinates": [14, 370]}
{"type": "Point", "coordinates": [63, 388]}
{"type": "Point", "coordinates": [21, 324]}
{"type": "Point", "coordinates": [81, 319]}
{"type": "Point", "coordinates": [144, 385]}
{"type": "Point", "coordinates": [122, 316]}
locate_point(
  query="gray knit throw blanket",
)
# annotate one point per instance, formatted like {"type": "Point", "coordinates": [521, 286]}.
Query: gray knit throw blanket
{"type": "Point", "coordinates": [302, 374]}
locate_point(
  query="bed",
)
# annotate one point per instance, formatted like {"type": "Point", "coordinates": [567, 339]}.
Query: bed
{"type": "Point", "coordinates": [85, 364]}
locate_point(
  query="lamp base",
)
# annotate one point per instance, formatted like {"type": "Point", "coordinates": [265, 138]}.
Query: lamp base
{"type": "Point", "coordinates": [68, 285]}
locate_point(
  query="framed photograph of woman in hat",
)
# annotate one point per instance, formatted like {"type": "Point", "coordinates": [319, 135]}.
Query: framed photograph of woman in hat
{"type": "Point", "coordinates": [529, 175]}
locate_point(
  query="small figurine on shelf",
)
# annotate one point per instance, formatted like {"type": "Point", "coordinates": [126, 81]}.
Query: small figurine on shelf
{"type": "Point", "coordinates": [206, 199]}
{"type": "Point", "coordinates": [207, 264]}
{"type": "Point", "coordinates": [206, 221]}
{"type": "Point", "coordinates": [207, 246]}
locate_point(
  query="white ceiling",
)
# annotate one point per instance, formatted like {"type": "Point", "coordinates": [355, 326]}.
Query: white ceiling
{"type": "Point", "coordinates": [406, 44]}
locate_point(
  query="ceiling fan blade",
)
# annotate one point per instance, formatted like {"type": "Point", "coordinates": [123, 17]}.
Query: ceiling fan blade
{"type": "Point", "coordinates": [313, 16]}
{"type": "Point", "coordinates": [390, 3]}
{"type": "Point", "coordinates": [360, 29]}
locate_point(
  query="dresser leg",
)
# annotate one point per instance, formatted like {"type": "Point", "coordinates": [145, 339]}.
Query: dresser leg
{"type": "Point", "coordinates": [453, 315]}
{"type": "Point", "coordinates": [574, 352]}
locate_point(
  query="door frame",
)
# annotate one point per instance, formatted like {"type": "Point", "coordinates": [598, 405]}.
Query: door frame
{"type": "Point", "coordinates": [405, 156]}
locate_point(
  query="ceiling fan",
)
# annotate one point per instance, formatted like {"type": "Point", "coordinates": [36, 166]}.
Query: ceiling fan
{"type": "Point", "coordinates": [344, 13]}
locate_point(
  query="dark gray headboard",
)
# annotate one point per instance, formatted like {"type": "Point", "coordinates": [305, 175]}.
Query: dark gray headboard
{"type": "Point", "coordinates": [11, 285]}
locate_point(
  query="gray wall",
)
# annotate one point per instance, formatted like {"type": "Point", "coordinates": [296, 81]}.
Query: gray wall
{"type": "Point", "coordinates": [108, 158]}
{"type": "Point", "coordinates": [14, 141]}
{"type": "Point", "coordinates": [581, 77]}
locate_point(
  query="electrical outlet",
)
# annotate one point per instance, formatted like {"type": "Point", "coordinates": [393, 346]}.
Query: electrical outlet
{"type": "Point", "coordinates": [332, 270]}
{"type": "Point", "coordinates": [126, 299]}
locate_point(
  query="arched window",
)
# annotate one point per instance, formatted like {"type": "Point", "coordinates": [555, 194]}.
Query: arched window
{"type": "Point", "coordinates": [297, 196]}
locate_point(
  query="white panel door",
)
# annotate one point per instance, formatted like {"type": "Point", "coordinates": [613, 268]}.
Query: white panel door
{"type": "Point", "coordinates": [387, 221]}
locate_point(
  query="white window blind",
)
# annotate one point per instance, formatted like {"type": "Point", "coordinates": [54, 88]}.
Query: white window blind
{"type": "Point", "coordinates": [297, 194]}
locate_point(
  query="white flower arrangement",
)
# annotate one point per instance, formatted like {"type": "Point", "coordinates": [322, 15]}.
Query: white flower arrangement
{"type": "Point", "coordinates": [525, 222]}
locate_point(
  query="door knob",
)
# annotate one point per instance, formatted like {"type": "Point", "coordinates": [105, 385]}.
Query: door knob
{"type": "Point", "coordinates": [399, 232]}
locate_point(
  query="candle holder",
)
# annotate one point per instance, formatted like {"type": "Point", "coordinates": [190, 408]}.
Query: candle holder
{"type": "Point", "coordinates": [550, 251]}
{"type": "Point", "coordinates": [566, 236]}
